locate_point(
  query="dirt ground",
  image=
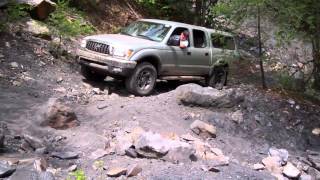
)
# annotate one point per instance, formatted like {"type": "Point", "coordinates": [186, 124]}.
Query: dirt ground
{"type": "Point", "coordinates": [271, 119]}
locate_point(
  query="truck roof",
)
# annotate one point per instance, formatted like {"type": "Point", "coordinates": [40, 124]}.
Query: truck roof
{"type": "Point", "coordinates": [173, 23]}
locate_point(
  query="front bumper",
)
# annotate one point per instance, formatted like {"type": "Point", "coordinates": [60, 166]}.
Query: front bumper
{"type": "Point", "coordinates": [104, 63]}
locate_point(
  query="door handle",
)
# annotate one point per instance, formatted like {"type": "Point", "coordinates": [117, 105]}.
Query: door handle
{"type": "Point", "coordinates": [206, 54]}
{"type": "Point", "coordinates": [188, 53]}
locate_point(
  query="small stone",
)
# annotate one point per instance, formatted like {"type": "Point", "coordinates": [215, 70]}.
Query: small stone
{"type": "Point", "coordinates": [203, 129]}
{"type": "Point", "coordinates": [97, 91]}
{"type": "Point", "coordinates": [258, 166]}
{"type": "Point", "coordinates": [272, 164]}
{"type": "Point", "coordinates": [314, 160]}
{"type": "Point", "coordinates": [14, 65]}
{"type": "Point", "coordinates": [237, 117]}
{"type": "Point", "coordinates": [131, 96]}
{"type": "Point", "coordinates": [116, 172]}
{"type": "Point", "coordinates": [59, 80]}
{"type": "Point", "coordinates": [102, 106]}
{"type": "Point", "coordinates": [291, 171]}
{"type": "Point", "coordinates": [99, 153]}
{"type": "Point", "coordinates": [1, 56]}
{"type": "Point", "coordinates": [283, 154]}
{"type": "Point", "coordinates": [16, 83]}
{"type": "Point", "coordinates": [7, 44]}
{"type": "Point", "coordinates": [65, 155]}
{"type": "Point", "coordinates": [72, 168]}
{"type": "Point", "coordinates": [133, 170]}
{"type": "Point", "coordinates": [60, 90]}
{"type": "Point", "coordinates": [292, 102]}
{"type": "Point", "coordinates": [316, 131]}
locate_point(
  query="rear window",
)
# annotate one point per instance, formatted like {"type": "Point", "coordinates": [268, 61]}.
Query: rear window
{"type": "Point", "coordinates": [222, 42]}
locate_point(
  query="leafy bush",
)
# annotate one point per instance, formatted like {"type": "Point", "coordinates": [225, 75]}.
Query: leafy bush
{"type": "Point", "coordinates": [14, 12]}
{"type": "Point", "coordinates": [66, 21]}
{"type": "Point", "coordinates": [77, 175]}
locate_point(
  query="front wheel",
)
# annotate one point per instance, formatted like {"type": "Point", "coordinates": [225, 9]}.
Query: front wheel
{"type": "Point", "coordinates": [219, 77]}
{"type": "Point", "coordinates": [143, 79]}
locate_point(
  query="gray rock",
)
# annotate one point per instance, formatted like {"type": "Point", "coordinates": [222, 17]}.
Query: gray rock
{"type": "Point", "coordinates": [180, 155]}
{"type": "Point", "coordinates": [151, 145]}
{"type": "Point", "coordinates": [237, 117]}
{"type": "Point", "coordinates": [5, 170]}
{"type": "Point", "coordinates": [131, 153]}
{"type": "Point", "coordinates": [27, 174]}
{"type": "Point", "coordinates": [65, 155]}
{"type": "Point", "coordinates": [193, 94]}
{"type": "Point", "coordinates": [203, 129]}
{"type": "Point", "coordinates": [72, 168]}
{"type": "Point", "coordinates": [34, 142]}
{"type": "Point", "coordinates": [283, 154]}
{"type": "Point", "coordinates": [291, 171]}
{"type": "Point", "coordinates": [14, 65]}
{"type": "Point", "coordinates": [315, 161]}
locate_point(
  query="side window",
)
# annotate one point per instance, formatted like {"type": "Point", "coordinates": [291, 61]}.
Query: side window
{"type": "Point", "coordinates": [222, 42]}
{"type": "Point", "coordinates": [174, 39]}
{"type": "Point", "coordinates": [199, 38]}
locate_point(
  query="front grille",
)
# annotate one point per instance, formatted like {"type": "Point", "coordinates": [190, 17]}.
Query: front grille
{"type": "Point", "coordinates": [98, 47]}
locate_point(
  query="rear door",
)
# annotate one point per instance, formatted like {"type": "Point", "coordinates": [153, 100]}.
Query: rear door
{"type": "Point", "coordinates": [223, 48]}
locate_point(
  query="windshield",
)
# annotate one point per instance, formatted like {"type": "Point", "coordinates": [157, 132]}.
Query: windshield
{"type": "Point", "coordinates": [147, 30]}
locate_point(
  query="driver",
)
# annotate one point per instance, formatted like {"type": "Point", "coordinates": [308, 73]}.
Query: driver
{"type": "Point", "coordinates": [184, 39]}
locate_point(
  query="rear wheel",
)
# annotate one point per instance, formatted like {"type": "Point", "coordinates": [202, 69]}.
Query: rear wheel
{"type": "Point", "coordinates": [143, 79]}
{"type": "Point", "coordinates": [219, 77]}
{"type": "Point", "coordinates": [91, 75]}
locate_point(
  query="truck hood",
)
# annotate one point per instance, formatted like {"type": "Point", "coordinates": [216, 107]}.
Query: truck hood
{"type": "Point", "coordinates": [123, 41]}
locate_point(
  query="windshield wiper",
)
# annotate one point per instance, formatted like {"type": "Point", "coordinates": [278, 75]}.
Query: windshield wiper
{"type": "Point", "coordinates": [124, 33]}
{"type": "Point", "coordinates": [145, 37]}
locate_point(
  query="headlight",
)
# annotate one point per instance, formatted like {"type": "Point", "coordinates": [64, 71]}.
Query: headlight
{"type": "Point", "coordinates": [119, 52]}
{"type": "Point", "coordinates": [83, 43]}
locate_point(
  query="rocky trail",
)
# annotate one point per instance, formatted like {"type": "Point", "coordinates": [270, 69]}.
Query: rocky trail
{"type": "Point", "coordinates": [55, 125]}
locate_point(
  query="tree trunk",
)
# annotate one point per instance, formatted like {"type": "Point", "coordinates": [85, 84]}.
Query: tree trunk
{"type": "Point", "coordinates": [263, 81]}
{"type": "Point", "coordinates": [316, 59]}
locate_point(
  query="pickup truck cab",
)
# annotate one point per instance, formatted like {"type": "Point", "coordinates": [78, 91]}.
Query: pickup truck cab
{"type": "Point", "coordinates": [151, 49]}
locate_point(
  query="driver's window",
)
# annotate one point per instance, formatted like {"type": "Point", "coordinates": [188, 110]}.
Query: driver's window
{"type": "Point", "coordinates": [174, 39]}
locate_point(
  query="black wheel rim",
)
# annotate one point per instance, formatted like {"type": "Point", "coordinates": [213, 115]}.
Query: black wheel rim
{"type": "Point", "coordinates": [145, 80]}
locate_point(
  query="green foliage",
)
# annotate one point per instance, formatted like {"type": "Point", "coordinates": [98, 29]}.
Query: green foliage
{"type": "Point", "coordinates": [14, 12]}
{"type": "Point", "coordinates": [169, 9]}
{"type": "Point", "coordinates": [286, 81]}
{"type": "Point", "coordinates": [77, 175]}
{"type": "Point", "coordinates": [66, 21]}
{"type": "Point", "coordinates": [17, 11]}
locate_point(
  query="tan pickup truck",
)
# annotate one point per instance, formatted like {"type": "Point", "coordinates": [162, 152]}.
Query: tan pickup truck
{"type": "Point", "coordinates": [151, 49]}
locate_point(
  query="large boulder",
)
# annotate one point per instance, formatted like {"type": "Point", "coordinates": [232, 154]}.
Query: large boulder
{"type": "Point", "coordinates": [37, 29]}
{"type": "Point", "coordinates": [193, 94]}
{"type": "Point", "coordinates": [59, 116]}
